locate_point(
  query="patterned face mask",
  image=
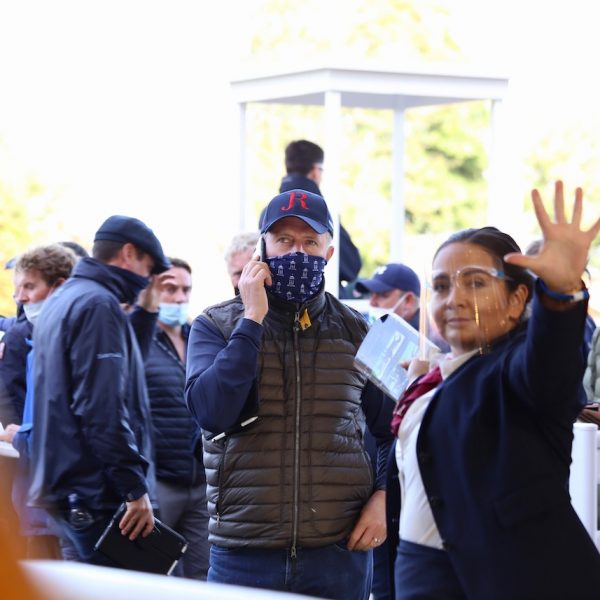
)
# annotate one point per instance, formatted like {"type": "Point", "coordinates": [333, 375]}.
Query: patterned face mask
{"type": "Point", "coordinates": [296, 277]}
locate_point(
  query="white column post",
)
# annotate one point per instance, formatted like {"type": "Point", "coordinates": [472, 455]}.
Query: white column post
{"type": "Point", "coordinates": [245, 210]}
{"type": "Point", "coordinates": [505, 203]}
{"type": "Point", "coordinates": [494, 210]}
{"type": "Point", "coordinates": [398, 212]}
{"type": "Point", "coordinates": [331, 178]}
{"type": "Point", "coordinates": [583, 481]}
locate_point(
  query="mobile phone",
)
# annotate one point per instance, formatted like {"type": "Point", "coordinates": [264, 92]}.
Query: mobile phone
{"type": "Point", "coordinates": [263, 249]}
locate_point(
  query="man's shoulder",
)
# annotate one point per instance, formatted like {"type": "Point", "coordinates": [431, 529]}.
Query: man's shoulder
{"type": "Point", "coordinates": [335, 303]}
{"type": "Point", "coordinates": [14, 345]}
{"type": "Point", "coordinates": [76, 298]}
{"type": "Point", "coordinates": [20, 330]}
{"type": "Point", "coordinates": [294, 181]}
{"type": "Point", "coordinates": [224, 313]}
{"type": "Point", "coordinates": [226, 306]}
{"type": "Point", "coordinates": [348, 314]}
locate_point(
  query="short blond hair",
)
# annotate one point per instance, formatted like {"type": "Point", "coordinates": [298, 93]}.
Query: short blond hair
{"type": "Point", "coordinates": [242, 242]}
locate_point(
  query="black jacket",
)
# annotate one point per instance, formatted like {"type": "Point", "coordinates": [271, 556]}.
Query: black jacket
{"type": "Point", "coordinates": [175, 431]}
{"type": "Point", "coordinates": [91, 424]}
{"type": "Point", "coordinates": [13, 366]}
{"type": "Point", "coordinates": [494, 450]}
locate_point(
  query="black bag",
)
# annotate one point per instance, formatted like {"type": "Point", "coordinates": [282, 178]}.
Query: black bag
{"type": "Point", "coordinates": [156, 553]}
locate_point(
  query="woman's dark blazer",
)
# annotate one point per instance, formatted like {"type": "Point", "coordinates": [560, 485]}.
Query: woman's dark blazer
{"type": "Point", "coordinates": [494, 451]}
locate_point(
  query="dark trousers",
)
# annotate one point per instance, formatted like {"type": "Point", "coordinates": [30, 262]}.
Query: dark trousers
{"type": "Point", "coordinates": [184, 509]}
{"type": "Point", "coordinates": [381, 573]}
{"type": "Point", "coordinates": [82, 540]}
{"type": "Point", "coordinates": [423, 573]}
{"type": "Point", "coordinates": [327, 572]}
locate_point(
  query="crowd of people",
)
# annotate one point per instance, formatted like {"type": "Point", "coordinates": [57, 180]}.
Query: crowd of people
{"type": "Point", "coordinates": [252, 432]}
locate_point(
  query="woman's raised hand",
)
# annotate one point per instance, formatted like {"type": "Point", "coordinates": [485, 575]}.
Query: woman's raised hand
{"type": "Point", "coordinates": [564, 253]}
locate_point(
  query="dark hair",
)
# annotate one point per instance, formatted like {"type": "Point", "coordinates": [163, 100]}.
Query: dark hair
{"type": "Point", "coordinates": [79, 250]}
{"type": "Point", "coordinates": [534, 248]}
{"type": "Point", "coordinates": [181, 264]}
{"type": "Point", "coordinates": [497, 244]}
{"type": "Point", "coordinates": [106, 250]}
{"type": "Point", "coordinates": [301, 156]}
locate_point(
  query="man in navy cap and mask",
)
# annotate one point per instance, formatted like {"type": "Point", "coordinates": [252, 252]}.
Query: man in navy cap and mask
{"type": "Point", "coordinates": [395, 288]}
{"type": "Point", "coordinates": [293, 502]}
{"type": "Point", "coordinates": [91, 446]}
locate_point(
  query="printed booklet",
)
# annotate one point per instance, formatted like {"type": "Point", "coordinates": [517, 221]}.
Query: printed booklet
{"type": "Point", "coordinates": [389, 342]}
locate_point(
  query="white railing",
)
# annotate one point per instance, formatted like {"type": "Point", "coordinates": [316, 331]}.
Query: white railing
{"type": "Point", "coordinates": [585, 476]}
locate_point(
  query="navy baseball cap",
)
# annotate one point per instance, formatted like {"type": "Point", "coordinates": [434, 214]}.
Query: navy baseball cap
{"type": "Point", "coordinates": [130, 230]}
{"type": "Point", "coordinates": [309, 207]}
{"type": "Point", "coordinates": [393, 276]}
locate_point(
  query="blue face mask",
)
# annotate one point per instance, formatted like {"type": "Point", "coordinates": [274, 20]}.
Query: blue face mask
{"type": "Point", "coordinates": [172, 314]}
{"type": "Point", "coordinates": [32, 310]}
{"type": "Point", "coordinates": [297, 277]}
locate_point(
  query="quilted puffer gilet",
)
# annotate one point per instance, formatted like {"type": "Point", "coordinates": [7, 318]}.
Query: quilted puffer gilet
{"type": "Point", "coordinates": [299, 476]}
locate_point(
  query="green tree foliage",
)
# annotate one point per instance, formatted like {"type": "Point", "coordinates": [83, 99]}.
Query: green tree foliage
{"type": "Point", "coordinates": [445, 157]}
{"type": "Point", "coordinates": [284, 30]}
{"type": "Point", "coordinates": [18, 221]}
{"type": "Point", "coordinates": [573, 155]}
{"type": "Point", "coordinates": [412, 30]}
{"type": "Point", "coordinates": [13, 238]}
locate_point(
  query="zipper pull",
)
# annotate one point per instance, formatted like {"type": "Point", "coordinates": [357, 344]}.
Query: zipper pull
{"type": "Point", "coordinates": [218, 519]}
{"type": "Point", "coordinates": [297, 321]}
{"type": "Point", "coordinates": [293, 552]}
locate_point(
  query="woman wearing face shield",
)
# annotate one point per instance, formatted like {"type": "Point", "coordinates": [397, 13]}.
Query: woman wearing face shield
{"type": "Point", "coordinates": [484, 436]}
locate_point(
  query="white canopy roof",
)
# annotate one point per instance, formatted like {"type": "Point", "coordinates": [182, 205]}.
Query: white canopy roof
{"type": "Point", "coordinates": [369, 88]}
{"type": "Point", "coordinates": [375, 88]}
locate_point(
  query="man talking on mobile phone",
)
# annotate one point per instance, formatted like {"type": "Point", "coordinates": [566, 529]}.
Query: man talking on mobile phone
{"type": "Point", "coordinates": [292, 498]}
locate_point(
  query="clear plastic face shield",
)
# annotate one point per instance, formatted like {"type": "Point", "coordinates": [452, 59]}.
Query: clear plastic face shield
{"type": "Point", "coordinates": [471, 299]}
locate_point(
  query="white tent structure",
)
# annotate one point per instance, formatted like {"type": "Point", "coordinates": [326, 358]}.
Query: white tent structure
{"type": "Point", "coordinates": [334, 88]}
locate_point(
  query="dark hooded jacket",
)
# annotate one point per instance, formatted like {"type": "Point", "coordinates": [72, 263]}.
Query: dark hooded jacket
{"type": "Point", "coordinates": [91, 426]}
{"type": "Point", "coordinates": [13, 366]}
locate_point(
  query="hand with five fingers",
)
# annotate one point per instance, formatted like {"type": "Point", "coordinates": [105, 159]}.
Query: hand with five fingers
{"type": "Point", "coordinates": [564, 252]}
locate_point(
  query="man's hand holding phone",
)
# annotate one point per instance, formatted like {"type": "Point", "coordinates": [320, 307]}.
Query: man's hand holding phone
{"type": "Point", "coordinates": [255, 275]}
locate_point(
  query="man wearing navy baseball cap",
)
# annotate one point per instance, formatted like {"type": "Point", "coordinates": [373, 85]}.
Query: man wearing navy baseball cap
{"type": "Point", "coordinates": [310, 208]}
{"type": "Point", "coordinates": [124, 230]}
{"type": "Point", "coordinates": [91, 445]}
{"type": "Point", "coordinates": [273, 385]}
{"type": "Point", "coordinates": [395, 287]}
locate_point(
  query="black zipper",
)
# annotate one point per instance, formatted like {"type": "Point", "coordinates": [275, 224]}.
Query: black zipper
{"type": "Point", "coordinates": [296, 479]}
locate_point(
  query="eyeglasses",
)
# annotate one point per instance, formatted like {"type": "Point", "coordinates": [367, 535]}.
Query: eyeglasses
{"type": "Point", "coordinates": [471, 277]}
